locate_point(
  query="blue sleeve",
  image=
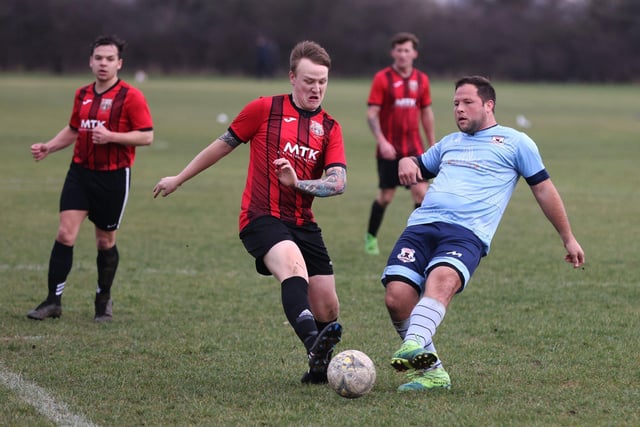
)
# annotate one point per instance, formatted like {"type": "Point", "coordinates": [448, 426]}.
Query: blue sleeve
{"type": "Point", "coordinates": [529, 162]}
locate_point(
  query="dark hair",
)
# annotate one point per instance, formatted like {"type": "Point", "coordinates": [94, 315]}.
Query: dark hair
{"type": "Point", "coordinates": [404, 37]}
{"type": "Point", "coordinates": [310, 50]}
{"type": "Point", "coordinates": [108, 41]}
{"type": "Point", "coordinates": [486, 92]}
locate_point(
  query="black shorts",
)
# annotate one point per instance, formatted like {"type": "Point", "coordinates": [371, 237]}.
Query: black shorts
{"type": "Point", "coordinates": [103, 194]}
{"type": "Point", "coordinates": [264, 232]}
{"type": "Point", "coordinates": [388, 174]}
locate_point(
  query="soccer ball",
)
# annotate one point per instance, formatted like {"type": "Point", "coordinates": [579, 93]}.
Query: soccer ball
{"type": "Point", "coordinates": [351, 374]}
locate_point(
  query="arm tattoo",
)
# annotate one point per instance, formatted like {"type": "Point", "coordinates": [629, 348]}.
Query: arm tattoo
{"type": "Point", "coordinates": [230, 139]}
{"type": "Point", "coordinates": [374, 126]}
{"type": "Point", "coordinates": [334, 182]}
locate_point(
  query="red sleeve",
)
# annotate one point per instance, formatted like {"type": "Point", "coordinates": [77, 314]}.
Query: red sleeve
{"type": "Point", "coordinates": [250, 118]}
{"type": "Point", "coordinates": [335, 155]}
{"type": "Point", "coordinates": [378, 89]}
{"type": "Point", "coordinates": [425, 96]}
{"type": "Point", "coordinates": [138, 111]}
{"type": "Point", "coordinates": [74, 121]}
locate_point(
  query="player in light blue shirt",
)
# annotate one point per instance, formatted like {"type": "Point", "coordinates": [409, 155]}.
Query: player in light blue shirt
{"type": "Point", "coordinates": [475, 172]}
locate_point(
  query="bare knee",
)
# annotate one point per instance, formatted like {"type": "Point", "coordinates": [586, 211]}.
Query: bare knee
{"type": "Point", "coordinates": [69, 227]}
{"type": "Point", "coordinates": [400, 299]}
{"type": "Point", "coordinates": [105, 239]}
{"type": "Point", "coordinates": [285, 260]}
{"type": "Point", "coordinates": [385, 197]}
{"type": "Point", "coordinates": [442, 284]}
{"type": "Point", "coordinates": [65, 237]}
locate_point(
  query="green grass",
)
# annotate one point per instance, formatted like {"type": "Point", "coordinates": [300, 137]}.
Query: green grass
{"type": "Point", "coordinates": [200, 339]}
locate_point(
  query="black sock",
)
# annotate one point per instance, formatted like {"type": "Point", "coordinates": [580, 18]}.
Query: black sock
{"type": "Point", "coordinates": [60, 262]}
{"type": "Point", "coordinates": [377, 213]}
{"type": "Point", "coordinates": [295, 301]}
{"type": "Point", "coordinates": [107, 262]}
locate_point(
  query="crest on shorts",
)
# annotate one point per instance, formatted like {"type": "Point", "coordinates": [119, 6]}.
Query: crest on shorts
{"type": "Point", "coordinates": [316, 128]}
{"type": "Point", "coordinates": [105, 104]}
{"type": "Point", "coordinates": [407, 255]}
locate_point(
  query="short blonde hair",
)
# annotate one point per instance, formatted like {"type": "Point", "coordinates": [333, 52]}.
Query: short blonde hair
{"type": "Point", "coordinates": [310, 50]}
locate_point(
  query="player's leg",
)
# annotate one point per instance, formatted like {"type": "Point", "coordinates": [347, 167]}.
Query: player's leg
{"type": "Point", "coordinates": [453, 261]}
{"type": "Point", "coordinates": [323, 300]}
{"type": "Point", "coordinates": [272, 245]}
{"type": "Point", "coordinates": [387, 182]}
{"type": "Point", "coordinates": [404, 278]}
{"type": "Point", "coordinates": [400, 298]}
{"type": "Point", "coordinates": [325, 307]}
{"type": "Point", "coordinates": [107, 262]}
{"type": "Point", "coordinates": [109, 193]}
{"type": "Point", "coordinates": [378, 208]}
{"type": "Point", "coordinates": [418, 348]}
{"type": "Point", "coordinates": [417, 193]}
{"type": "Point", "coordinates": [60, 262]}
{"type": "Point", "coordinates": [74, 206]}
{"type": "Point", "coordinates": [284, 260]}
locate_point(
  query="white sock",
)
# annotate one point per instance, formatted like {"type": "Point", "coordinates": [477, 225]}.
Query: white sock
{"type": "Point", "coordinates": [425, 318]}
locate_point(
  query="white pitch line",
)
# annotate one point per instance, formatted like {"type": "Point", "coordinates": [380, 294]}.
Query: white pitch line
{"type": "Point", "coordinates": [41, 401]}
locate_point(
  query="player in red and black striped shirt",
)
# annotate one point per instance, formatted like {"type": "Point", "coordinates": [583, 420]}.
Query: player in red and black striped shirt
{"type": "Point", "coordinates": [296, 153]}
{"type": "Point", "coordinates": [399, 101]}
{"type": "Point", "coordinates": [109, 119]}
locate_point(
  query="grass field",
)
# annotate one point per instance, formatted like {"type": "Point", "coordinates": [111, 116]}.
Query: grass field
{"type": "Point", "coordinates": [198, 338]}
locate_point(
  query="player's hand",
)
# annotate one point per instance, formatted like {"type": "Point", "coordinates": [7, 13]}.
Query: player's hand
{"type": "Point", "coordinates": [165, 186]}
{"type": "Point", "coordinates": [408, 171]}
{"type": "Point", "coordinates": [286, 173]}
{"type": "Point", "coordinates": [101, 135]}
{"type": "Point", "coordinates": [387, 151]}
{"type": "Point", "coordinates": [39, 151]}
{"type": "Point", "coordinates": [575, 254]}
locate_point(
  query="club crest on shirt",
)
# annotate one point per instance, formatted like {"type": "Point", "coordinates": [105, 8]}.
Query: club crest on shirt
{"type": "Point", "coordinates": [497, 139]}
{"type": "Point", "coordinates": [413, 85]}
{"type": "Point", "coordinates": [407, 255]}
{"type": "Point", "coordinates": [105, 104]}
{"type": "Point", "coordinates": [316, 128]}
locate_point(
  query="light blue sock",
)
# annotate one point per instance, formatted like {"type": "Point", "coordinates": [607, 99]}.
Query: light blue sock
{"type": "Point", "coordinates": [425, 318]}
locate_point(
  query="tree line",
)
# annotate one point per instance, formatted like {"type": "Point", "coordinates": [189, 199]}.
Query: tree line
{"type": "Point", "coordinates": [521, 40]}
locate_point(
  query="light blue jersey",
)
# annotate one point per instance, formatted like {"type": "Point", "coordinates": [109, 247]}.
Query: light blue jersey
{"type": "Point", "coordinates": [475, 176]}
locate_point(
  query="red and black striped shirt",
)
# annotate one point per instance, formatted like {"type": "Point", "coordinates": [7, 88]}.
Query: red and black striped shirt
{"type": "Point", "coordinates": [121, 108]}
{"type": "Point", "coordinates": [401, 101]}
{"type": "Point", "coordinates": [276, 128]}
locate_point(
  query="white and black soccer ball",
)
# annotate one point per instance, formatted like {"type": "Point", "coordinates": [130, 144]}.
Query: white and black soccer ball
{"type": "Point", "coordinates": [351, 373]}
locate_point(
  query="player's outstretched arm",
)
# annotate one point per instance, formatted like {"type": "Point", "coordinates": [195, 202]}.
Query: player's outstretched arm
{"type": "Point", "coordinates": [205, 159]}
{"type": "Point", "coordinates": [549, 200]}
